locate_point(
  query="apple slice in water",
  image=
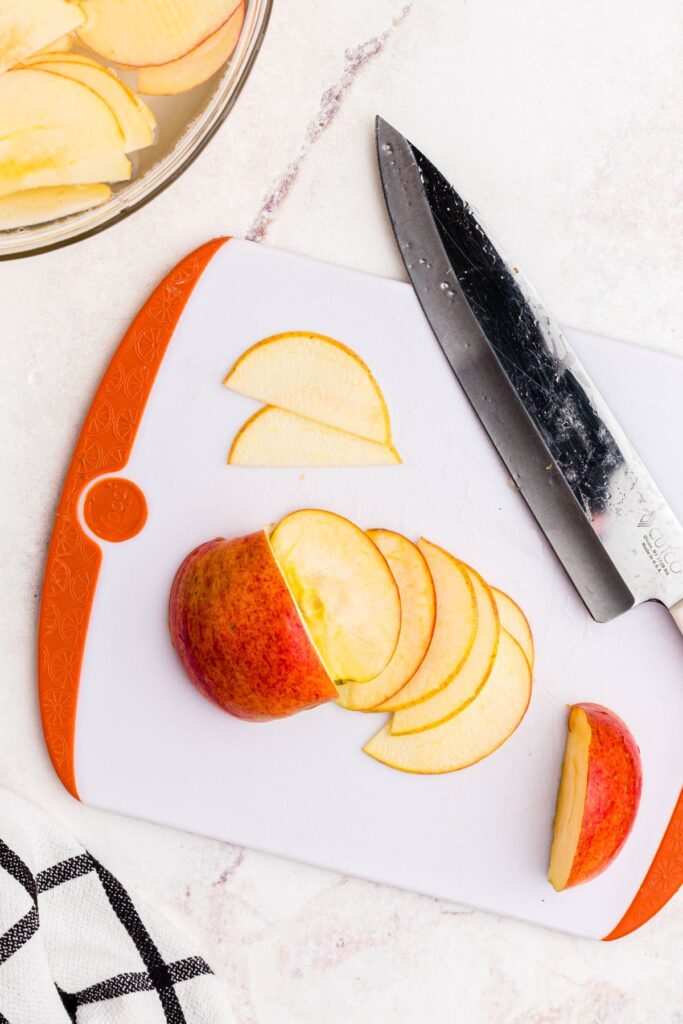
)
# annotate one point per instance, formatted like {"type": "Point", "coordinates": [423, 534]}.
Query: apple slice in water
{"type": "Point", "coordinates": [37, 205]}
{"type": "Point", "coordinates": [30, 25]}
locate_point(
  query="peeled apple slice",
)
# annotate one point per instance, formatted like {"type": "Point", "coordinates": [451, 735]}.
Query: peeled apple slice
{"type": "Point", "coordinates": [37, 205]}
{"type": "Point", "coordinates": [196, 66]}
{"type": "Point", "coordinates": [275, 437]}
{"type": "Point", "coordinates": [515, 621]}
{"type": "Point", "coordinates": [316, 377]}
{"type": "Point", "coordinates": [418, 615]}
{"type": "Point", "coordinates": [54, 131]}
{"type": "Point", "coordinates": [469, 679]}
{"type": "Point", "coordinates": [143, 32]}
{"type": "Point", "coordinates": [30, 25]}
{"type": "Point", "coordinates": [344, 589]}
{"type": "Point", "coordinates": [475, 732]}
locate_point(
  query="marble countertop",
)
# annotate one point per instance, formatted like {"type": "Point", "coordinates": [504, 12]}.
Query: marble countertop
{"type": "Point", "coordinates": [560, 123]}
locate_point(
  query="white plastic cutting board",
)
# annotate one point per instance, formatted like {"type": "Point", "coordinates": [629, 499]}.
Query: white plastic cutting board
{"type": "Point", "coordinates": [148, 744]}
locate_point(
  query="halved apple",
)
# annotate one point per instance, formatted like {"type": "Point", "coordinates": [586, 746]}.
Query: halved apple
{"type": "Point", "coordinates": [315, 377]}
{"type": "Point", "coordinates": [275, 437]}
{"type": "Point", "coordinates": [418, 616]}
{"type": "Point", "coordinates": [143, 32]}
{"type": "Point", "coordinates": [30, 25]}
{"type": "Point", "coordinates": [598, 796]}
{"type": "Point", "coordinates": [54, 131]}
{"type": "Point", "coordinates": [344, 589]}
{"type": "Point", "coordinates": [196, 66]}
{"type": "Point", "coordinates": [515, 621]}
{"type": "Point", "coordinates": [135, 125]}
{"type": "Point", "coordinates": [454, 630]}
{"type": "Point", "coordinates": [36, 205]}
{"type": "Point", "coordinates": [469, 679]}
{"type": "Point", "coordinates": [475, 732]}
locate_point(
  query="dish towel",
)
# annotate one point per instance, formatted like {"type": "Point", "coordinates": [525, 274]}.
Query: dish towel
{"type": "Point", "coordinates": [75, 946]}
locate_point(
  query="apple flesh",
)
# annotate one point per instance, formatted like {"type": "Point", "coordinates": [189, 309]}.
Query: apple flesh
{"type": "Point", "coordinates": [37, 205]}
{"type": "Point", "coordinates": [239, 634]}
{"type": "Point", "coordinates": [515, 621]}
{"type": "Point", "coordinates": [29, 25]}
{"type": "Point", "coordinates": [598, 796]}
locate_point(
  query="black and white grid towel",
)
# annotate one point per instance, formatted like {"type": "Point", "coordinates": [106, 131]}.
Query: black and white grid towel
{"type": "Point", "coordinates": [74, 945]}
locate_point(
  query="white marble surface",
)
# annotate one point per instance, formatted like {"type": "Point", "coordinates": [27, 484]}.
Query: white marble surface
{"type": "Point", "coordinates": [562, 122]}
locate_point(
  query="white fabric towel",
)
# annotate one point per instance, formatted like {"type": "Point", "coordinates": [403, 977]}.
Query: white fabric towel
{"type": "Point", "coordinates": [76, 947]}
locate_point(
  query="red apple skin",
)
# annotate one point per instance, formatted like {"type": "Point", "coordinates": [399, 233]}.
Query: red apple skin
{"type": "Point", "coordinates": [239, 635]}
{"type": "Point", "coordinates": [614, 785]}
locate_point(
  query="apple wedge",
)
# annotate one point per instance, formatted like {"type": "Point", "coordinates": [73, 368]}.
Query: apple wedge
{"type": "Point", "coordinates": [515, 621]}
{"type": "Point", "coordinates": [37, 205]}
{"type": "Point", "coordinates": [468, 680]}
{"type": "Point", "coordinates": [344, 589]}
{"type": "Point", "coordinates": [598, 796]}
{"type": "Point", "coordinates": [143, 32]}
{"type": "Point", "coordinates": [196, 66]}
{"type": "Point", "coordinates": [54, 131]}
{"type": "Point", "coordinates": [275, 437]}
{"type": "Point", "coordinates": [476, 732]}
{"type": "Point", "coordinates": [418, 616]}
{"type": "Point", "coordinates": [454, 630]}
{"type": "Point", "coordinates": [315, 377]}
{"type": "Point", "coordinates": [30, 25]}
{"type": "Point", "coordinates": [126, 107]}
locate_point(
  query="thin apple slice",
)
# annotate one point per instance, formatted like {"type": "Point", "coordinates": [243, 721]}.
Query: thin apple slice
{"type": "Point", "coordinates": [143, 32]}
{"type": "Point", "coordinates": [468, 681]}
{"type": "Point", "coordinates": [64, 44]}
{"type": "Point", "coordinates": [476, 732]}
{"type": "Point", "coordinates": [196, 66]}
{"type": "Point", "coordinates": [30, 25]}
{"type": "Point", "coordinates": [37, 205]}
{"type": "Point", "coordinates": [454, 631]}
{"type": "Point", "coordinates": [275, 437]}
{"type": "Point", "coordinates": [315, 377]}
{"type": "Point", "coordinates": [344, 589]}
{"type": "Point", "coordinates": [418, 616]}
{"type": "Point", "coordinates": [126, 107]}
{"type": "Point", "coordinates": [54, 131]}
{"type": "Point", "coordinates": [515, 621]}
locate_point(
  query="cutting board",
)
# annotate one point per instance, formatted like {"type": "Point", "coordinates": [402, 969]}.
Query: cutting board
{"type": "Point", "coordinates": [125, 729]}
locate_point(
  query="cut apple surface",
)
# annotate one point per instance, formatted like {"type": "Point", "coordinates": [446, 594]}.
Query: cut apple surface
{"type": "Point", "coordinates": [515, 621]}
{"type": "Point", "coordinates": [136, 125]}
{"type": "Point", "coordinates": [598, 796]}
{"type": "Point", "coordinates": [344, 589]}
{"type": "Point", "coordinates": [454, 630]}
{"type": "Point", "coordinates": [475, 732]}
{"type": "Point", "coordinates": [275, 437]}
{"type": "Point", "coordinates": [143, 32]}
{"type": "Point", "coordinates": [469, 679]}
{"type": "Point", "coordinates": [196, 66]}
{"type": "Point", "coordinates": [418, 616]}
{"type": "Point", "coordinates": [316, 377]}
{"type": "Point", "coordinates": [37, 205]}
{"type": "Point", "coordinates": [29, 25]}
{"type": "Point", "coordinates": [64, 44]}
{"type": "Point", "coordinates": [55, 131]}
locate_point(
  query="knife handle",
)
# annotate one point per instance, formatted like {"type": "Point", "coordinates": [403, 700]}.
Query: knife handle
{"type": "Point", "coordinates": [677, 613]}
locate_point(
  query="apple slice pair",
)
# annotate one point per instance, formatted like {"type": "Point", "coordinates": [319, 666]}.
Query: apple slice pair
{"type": "Point", "coordinates": [30, 25]}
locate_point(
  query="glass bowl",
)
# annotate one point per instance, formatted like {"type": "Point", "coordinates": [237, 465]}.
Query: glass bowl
{"type": "Point", "coordinates": [185, 125]}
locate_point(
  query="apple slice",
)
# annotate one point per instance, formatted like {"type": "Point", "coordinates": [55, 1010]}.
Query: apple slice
{"type": "Point", "coordinates": [418, 616]}
{"type": "Point", "coordinates": [344, 589]}
{"type": "Point", "coordinates": [126, 107]}
{"type": "Point", "coordinates": [275, 437]}
{"type": "Point", "coordinates": [62, 45]}
{"type": "Point", "coordinates": [598, 797]}
{"type": "Point", "coordinates": [196, 66]}
{"type": "Point", "coordinates": [472, 675]}
{"type": "Point", "coordinates": [475, 732]}
{"type": "Point", "coordinates": [54, 131]}
{"type": "Point", "coordinates": [143, 32]}
{"type": "Point", "coordinates": [30, 25]}
{"type": "Point", "coordinates": [454, 630]}
{"type": "Point", "coordinates": [515, 621]}
{"type": "Point", "coordinates": [315, 377]}
{"type": "Point", "coordinates": [37, 205]}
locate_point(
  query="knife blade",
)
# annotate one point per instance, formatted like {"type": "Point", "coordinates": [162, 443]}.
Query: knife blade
{"type": "Point", "coordinates": [610, 526]}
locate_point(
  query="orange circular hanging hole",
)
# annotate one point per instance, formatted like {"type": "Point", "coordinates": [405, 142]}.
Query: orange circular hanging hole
{"type": "Point", "coordinates": [115, 509]}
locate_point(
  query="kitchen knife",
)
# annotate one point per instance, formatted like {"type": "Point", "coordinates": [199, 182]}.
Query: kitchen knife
{"type": "Point", "coordinates": [592, 496]}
